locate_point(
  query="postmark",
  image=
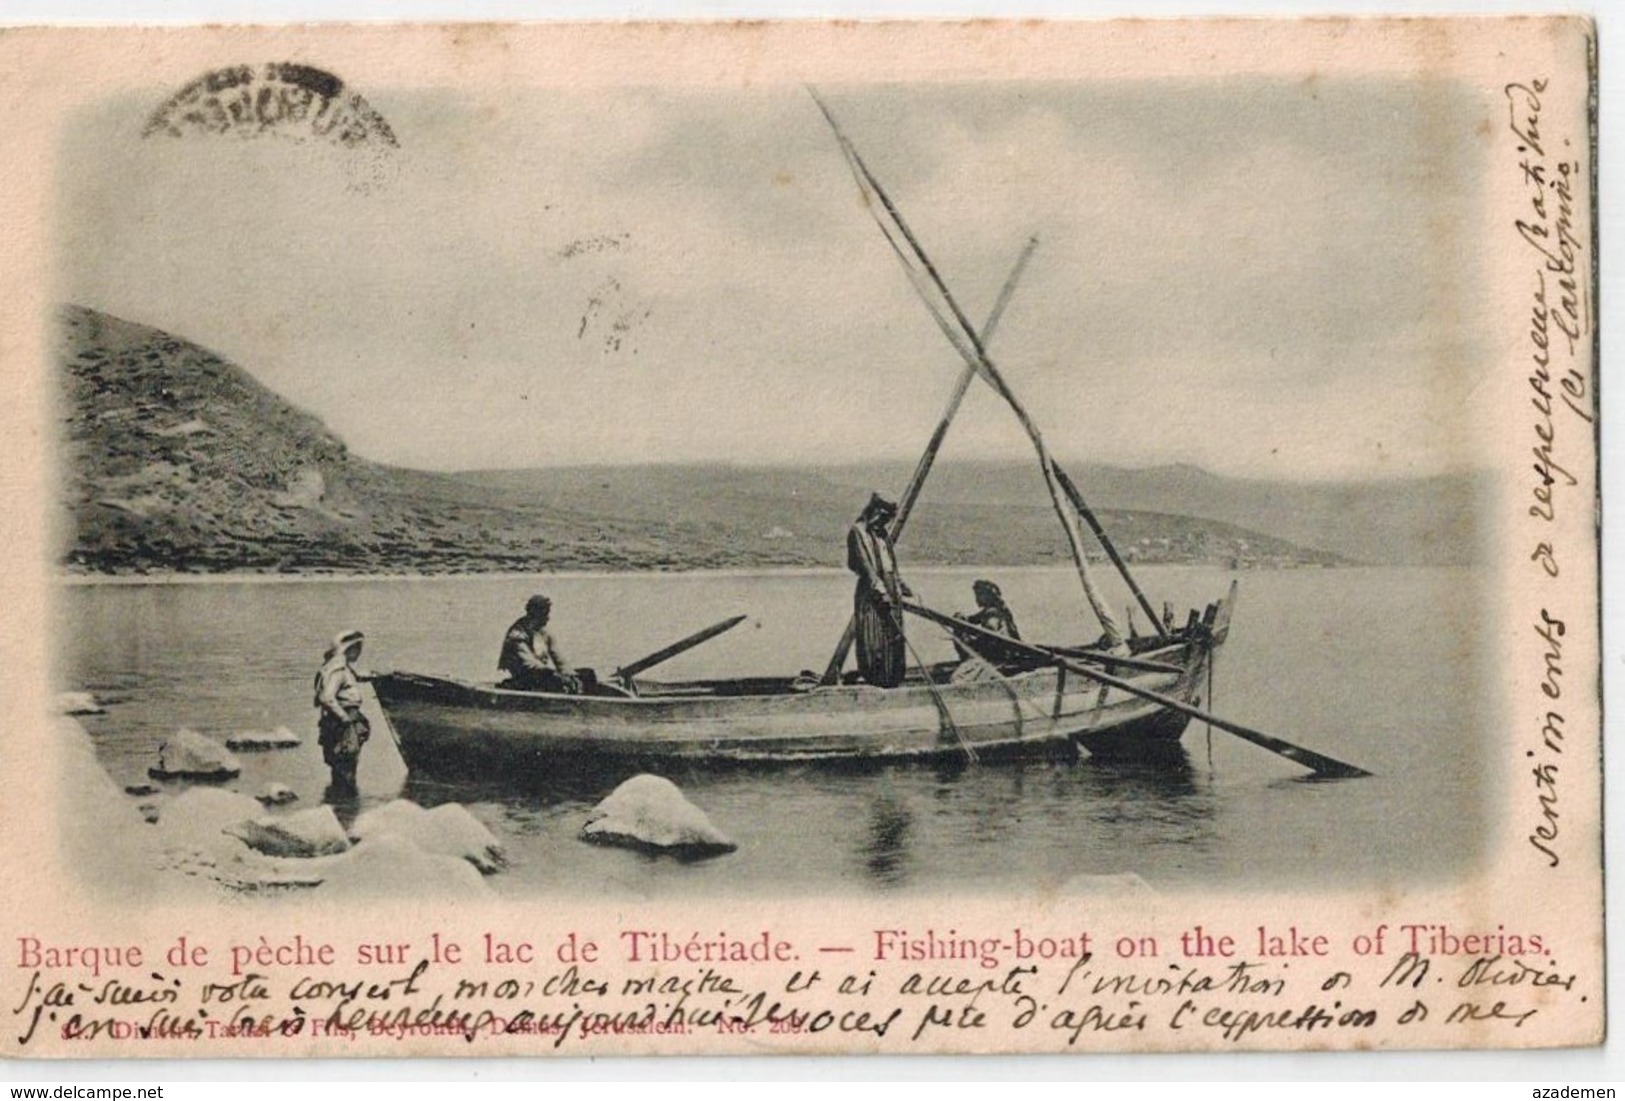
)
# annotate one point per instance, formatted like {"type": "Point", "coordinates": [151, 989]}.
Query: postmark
{"type": "Point", "coordinates": [284, 100]}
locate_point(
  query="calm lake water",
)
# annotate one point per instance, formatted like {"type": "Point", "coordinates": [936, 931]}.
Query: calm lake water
{"type": "Point", "coordinates": [1372, 666]}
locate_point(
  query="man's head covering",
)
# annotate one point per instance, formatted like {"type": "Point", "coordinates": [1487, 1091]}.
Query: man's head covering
{"type": "Point", "coordinates": [538, 606]}
{"type": "Point", "coordinates": [984, 587]}
{"type": "Point", "coordinates": [879, 506]}
{"type": "Point", "coordinates": [343, 641]}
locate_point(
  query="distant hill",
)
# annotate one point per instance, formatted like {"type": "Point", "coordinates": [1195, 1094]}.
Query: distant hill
{"type": "Point", "coordinates": [804, 514]}
{"type": "Point", "coordinates": [1414, 521]}
{"type": "Point", "coordinates": [1001, 510]}
{"type": "Point", "coordinates": [179, 460]}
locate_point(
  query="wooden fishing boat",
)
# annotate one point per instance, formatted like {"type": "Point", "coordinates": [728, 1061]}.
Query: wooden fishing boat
{"type": "Point", "coordinates": [445, 725]}
{"type": "Point", "coordinates": [1125, 697]}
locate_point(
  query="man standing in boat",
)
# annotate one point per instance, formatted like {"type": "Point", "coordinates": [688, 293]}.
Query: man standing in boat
{"type": "Point", "coordinates": [877, 605]}
{"type": "Point", "coordinates": [530, 655]}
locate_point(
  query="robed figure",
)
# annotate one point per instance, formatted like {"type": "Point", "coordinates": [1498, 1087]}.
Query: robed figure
{"type": "Point", "coordinates": [877, 605]}
{"type": "Point", "coordinates": [341, 727]}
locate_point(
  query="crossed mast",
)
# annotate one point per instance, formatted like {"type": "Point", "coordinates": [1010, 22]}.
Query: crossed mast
{"type": "Point", "coordinates": [972, 348]}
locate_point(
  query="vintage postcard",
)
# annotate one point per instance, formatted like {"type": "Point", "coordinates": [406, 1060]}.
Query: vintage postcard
{"type": "Point", "coordinates": [573, 540]}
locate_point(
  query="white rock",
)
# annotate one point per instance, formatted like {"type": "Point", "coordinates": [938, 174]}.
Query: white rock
{"type": "Point", "coordinates": [313, 832]}
{"type": "Point", "coordinates": [189, 855]}
{"type": "Point", "coordinates": [400, 816]}
{"type": "Point", "coordinates": [650, 812]}
{"type": "Point", "coordinates": [447, 830]}
{"type": "Point", "coordinates": [197, 833]}
{"type": "Point", "coordinates": [391, 865]}
{"type": "Point", "coordinates": [78, 703]}
{"type": "Point", "coordinates": [453, 831]}
{"type": "Point", "coordinates": [188, 755]}
{"type": "Point", "coordinates": [191, 834]}
{"type": "Point", "coordinates": [276, 795]}
{"type": "Point", "coordinates": [280, 738]}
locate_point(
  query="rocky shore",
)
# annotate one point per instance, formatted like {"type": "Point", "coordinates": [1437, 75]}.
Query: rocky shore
{"type": "Point", "coordinates": [205, 840]}
{"type": "Point", "coordinates": [191, 837]}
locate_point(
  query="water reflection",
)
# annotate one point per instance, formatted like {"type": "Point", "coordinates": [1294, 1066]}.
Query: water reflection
{"type": "Point", "coordinates": [345, 799]}
{"type": "Point", "coordinates": [1050, 820]}
{"type": "Point", "coordinates": [885, 852]}
{"type": "Point", "coordinates": [560, 782]}
{"type": "Point", "coordinates": [899, 826]}
{"type": "Point", "coordinates": [1166, 803]}
{"type": "Point", "coordinates": [1168, 775]}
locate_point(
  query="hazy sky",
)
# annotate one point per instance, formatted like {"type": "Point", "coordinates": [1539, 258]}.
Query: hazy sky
{"type": "Point", "coordinates": [1271, 279]}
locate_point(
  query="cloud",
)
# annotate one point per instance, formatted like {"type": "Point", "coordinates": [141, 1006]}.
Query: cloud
{"type": "Point", "coordinates": [634, 275]}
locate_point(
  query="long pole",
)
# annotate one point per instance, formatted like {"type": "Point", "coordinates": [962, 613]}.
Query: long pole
{"type": "Point", "coordinates": [966, 376]}
{"type": "Point", "coordinates": [922, 469]}
{"type": "Point", "coordinates": [1317, 763]}
{"type": "Point", "coordinates": [1088, 515]}
{"type": "Point", "coordinates": [965, 628]}
{"type": "Point", "coordinates": [975, 355]}
{"type": "Point", "coordinates": [666, 653]}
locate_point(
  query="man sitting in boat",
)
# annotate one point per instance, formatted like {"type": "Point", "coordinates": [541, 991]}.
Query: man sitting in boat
{"type": "Point", "coordinates": [530, 654]}
{"type": "Point", "coordinates": [991, 614]}
{"type": "Point", "coordinates": [980, 656]}
{"type": "Point", "coordinates": [877, 605]}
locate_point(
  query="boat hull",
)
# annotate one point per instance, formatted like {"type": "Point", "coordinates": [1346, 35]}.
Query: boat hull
{"type": "Point", "coordinates": [452, 727]}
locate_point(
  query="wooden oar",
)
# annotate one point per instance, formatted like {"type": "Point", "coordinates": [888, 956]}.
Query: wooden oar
{"type": "Point", "coordinates": [627, 672]}
{"type": "Point", "coordinates": [1047, 654]}
{"type": "Point", "coordinates": [1317, 763]}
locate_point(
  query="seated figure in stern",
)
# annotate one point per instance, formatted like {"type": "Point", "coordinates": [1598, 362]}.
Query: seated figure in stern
{"type": "Point", "coordinates": [992, 614]}
{"type": "Point", "coordinates": [877, 603]}
{"type": "Point", "coordinates": [530, 655]}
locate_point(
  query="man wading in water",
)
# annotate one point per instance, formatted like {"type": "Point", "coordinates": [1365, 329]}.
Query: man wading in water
{"type": "Point", "coordinates": [342, 729]}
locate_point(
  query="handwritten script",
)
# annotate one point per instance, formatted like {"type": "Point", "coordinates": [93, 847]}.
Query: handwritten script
{"type": "Point", "coordinates": [1254, 986]}
{"type": "Point", "coordinates": [1561, 396]}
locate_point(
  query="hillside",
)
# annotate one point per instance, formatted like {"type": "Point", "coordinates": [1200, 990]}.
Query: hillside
{"type": "Point", "coordinates": [179, 460]}
{"type": "Point", "coordinates": [1162, 514]}
{"type": "Point", "coordinates": [803, 515]}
